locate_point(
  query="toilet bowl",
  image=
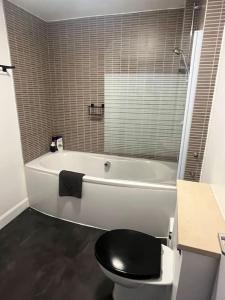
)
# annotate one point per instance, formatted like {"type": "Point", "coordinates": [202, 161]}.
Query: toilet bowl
{"type": "Point", "coordinates": [140, 267]}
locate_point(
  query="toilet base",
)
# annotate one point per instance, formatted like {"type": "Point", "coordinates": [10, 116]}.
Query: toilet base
{"type": "Point", "coordinates": [144, 292]}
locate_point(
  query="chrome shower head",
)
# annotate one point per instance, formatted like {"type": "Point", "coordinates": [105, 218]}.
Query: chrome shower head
{"type": "Point", "coordinates": [180, 52]}
{"type": "Point", "coordinates": [177, 51]}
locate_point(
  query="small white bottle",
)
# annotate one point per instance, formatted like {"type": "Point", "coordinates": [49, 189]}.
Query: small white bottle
{"type": "Point", "coordinates": [60, 144]}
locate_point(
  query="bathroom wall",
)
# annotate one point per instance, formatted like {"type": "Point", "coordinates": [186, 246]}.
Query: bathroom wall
{"type": "Point", "coordinates": [201, 11]}
{"type": "Point", "coordinates": [29, 52]}
{"type": "Point", "coordinates": [61, 68]}
{"type": "Point", "coordinates": [83, 52]}
{"type": "Point", "coordinates": [13, 195]}
{"type": "Point", "coordinates": [188, 22]}
{"type": "Point", "coordinates": [213, 170]}
{"type": "Point", "coordinates": [193, 20]}
{"type": "Point", "coordinates": [76, 79]}
{"type": "Point", "coordinates": [213, 30]}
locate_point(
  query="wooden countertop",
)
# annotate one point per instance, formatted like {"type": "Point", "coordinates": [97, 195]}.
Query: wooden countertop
{"type": "Point", "coordinates": [199, 219]}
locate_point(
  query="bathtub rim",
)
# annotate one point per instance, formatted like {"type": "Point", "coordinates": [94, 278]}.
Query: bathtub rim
{"type": "Point", "coordinates": [34, 165]}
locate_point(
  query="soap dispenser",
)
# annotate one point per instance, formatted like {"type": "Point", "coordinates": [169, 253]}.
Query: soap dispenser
{"type": "Point", "coordinates": [53, 147]}
{"type": "Point", "coordinates": [58, 140]}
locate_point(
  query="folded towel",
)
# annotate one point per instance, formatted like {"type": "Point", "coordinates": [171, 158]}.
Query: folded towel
{"type": "Point", "coordinates": [70, 184]}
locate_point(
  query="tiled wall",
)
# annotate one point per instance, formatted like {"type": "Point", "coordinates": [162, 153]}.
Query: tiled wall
{"type": "Point", "coordinates": [29, 53]}
{"type": "Point", "coordinates": [201, 13]}
{"type": "Point", "coordinates": [213, 30]}
{"type": "Point", "coordinates": [82, 51]}
{"type": "Point", "coordinates": [187, 26]}
{"type": "Point", "coordinates": [60, 69]}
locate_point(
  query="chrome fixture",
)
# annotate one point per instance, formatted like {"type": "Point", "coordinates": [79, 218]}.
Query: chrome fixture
{"type": "Point", "coordinates": [180, 52]}
{"type": "Point", "coordinates": [177, 51]}
{"type": "Point", "coordinates": [196, 154]}
{"type": "Point", "coordinates": [107, 164]}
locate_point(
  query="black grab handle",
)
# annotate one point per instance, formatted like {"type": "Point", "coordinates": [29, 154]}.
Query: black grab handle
{"type": "Point", "coordinates": [5, 68]}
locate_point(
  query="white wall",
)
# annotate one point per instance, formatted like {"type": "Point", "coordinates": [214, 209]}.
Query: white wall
{"type": "Point", "coordinates": [213, 171]}
{"type": "Point", "coordinates": [13, 195]}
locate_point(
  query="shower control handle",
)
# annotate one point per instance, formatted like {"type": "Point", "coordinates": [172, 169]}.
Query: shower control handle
{"type": "Point", "coordinates": [196, 154]}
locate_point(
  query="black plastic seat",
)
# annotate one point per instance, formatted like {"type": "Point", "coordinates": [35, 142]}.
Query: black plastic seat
{"type": "Point", "coordinates": [129, 254]}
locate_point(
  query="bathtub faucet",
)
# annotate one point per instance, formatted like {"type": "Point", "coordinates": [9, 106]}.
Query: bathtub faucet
{"type": "Point", "coordinates": [107, 164]}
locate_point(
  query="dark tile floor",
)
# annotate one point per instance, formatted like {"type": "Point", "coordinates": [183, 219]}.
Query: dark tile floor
{"type": "Point", "coordinates": [43, 258]}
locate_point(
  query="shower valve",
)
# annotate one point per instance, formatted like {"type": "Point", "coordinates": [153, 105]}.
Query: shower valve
{"type": "Point", "coordinates": [196, 154]}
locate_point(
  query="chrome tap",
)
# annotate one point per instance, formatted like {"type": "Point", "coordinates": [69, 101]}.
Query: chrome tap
{"type": "Point", "coordinates": [107, 164]}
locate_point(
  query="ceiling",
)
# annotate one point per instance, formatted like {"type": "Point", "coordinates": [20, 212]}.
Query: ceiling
{"type": "Point", "coordinates": [52, 10]}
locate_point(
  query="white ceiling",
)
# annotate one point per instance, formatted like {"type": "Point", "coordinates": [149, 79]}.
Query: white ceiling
{"type": "Point", "coordinates": [52, 10]}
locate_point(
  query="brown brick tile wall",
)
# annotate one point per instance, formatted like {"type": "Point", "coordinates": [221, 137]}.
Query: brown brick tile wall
{"type": "Point", "coordinates": [29, 53]}
{"type": "Point", "coordinates": [213, 30]}
{"type": "Point", "coordinates": [82, 51]}
{"type": "Point", "coordinates": [60, 69]}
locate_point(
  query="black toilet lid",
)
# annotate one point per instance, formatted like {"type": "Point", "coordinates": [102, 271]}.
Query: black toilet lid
{"type": "Point", "coordinates": [130, 254]}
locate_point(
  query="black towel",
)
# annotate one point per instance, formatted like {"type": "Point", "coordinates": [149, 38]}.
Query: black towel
{"type": "Point", "coordinates": [70, 184]}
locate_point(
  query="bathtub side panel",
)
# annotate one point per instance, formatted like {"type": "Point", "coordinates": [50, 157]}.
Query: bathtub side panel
{"type": "Point", "coordinates": [114, 207]}
{"type": "Point", "coordinates": [42, 190]}
{"type": "Point", "coordinates": [104, 206]}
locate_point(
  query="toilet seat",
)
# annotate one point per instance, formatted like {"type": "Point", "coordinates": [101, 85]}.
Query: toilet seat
{"type": "Point", "coordinates": [130, 254]}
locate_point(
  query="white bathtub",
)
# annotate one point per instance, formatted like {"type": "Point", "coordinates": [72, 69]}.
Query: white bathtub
{"type": "Point", "coordinates": [133, 193]}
